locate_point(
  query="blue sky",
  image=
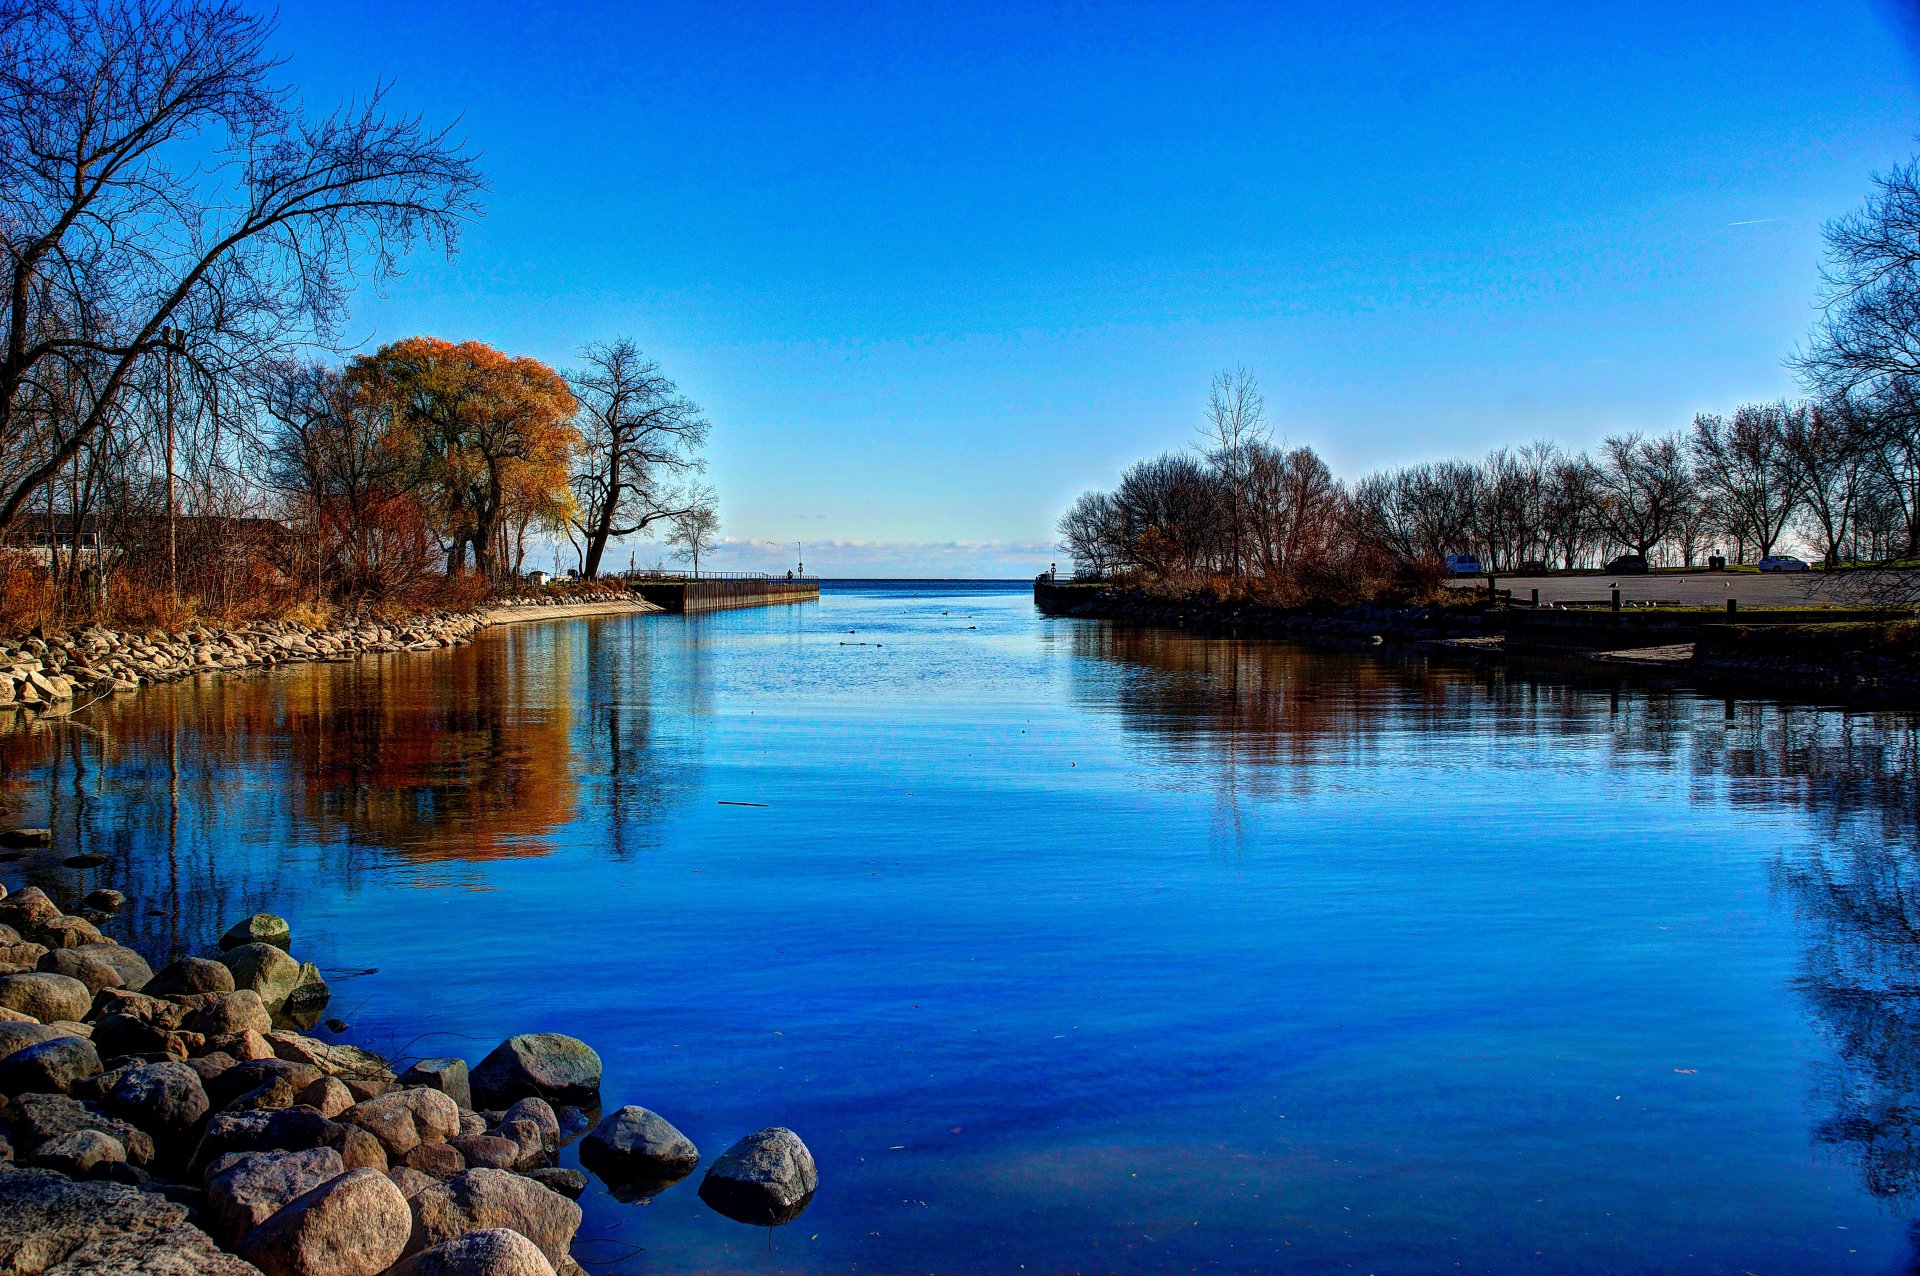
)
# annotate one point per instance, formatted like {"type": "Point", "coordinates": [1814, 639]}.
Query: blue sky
{"type": "Point", "coordinates": [935, 269]}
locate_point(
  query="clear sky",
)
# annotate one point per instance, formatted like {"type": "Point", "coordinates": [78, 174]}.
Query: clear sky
{"type": "Point", "coordinates": [934, 269]}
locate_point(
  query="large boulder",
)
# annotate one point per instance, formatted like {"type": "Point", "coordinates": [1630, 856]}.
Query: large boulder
{"type": "Point", "coordinates": [66, 932]}
{"type": "Point", "coordinates": [545, 1065]}
{"type": "Point", "coordinates": [496, 1251]}
{"type": "Point", "coordinates": [404, 1119]}
{"type": "Point", "coordinates": [190, 976]}
{"type": "Point", "coordinates": [309, 998]}
{"type": "Point", "coordinates": [78, 1154]}
{"type": "Point", "coordinates": [447, 1075]}
{"type": "Point", "coordinates": [88, 965]}
{"type": "Point", "coordinates": [137, 1005]}
{"type": "Point", "coordinates": [18, 1036]}
{"type": "Point", "coordinates": [61, 1228]}
{"type": "Point", "coordinates": [265, 969]}
{"type": "Point", "coordinates": [28, 908]}
{"type": "Point", "coordinates": [354, 1225]}
{"type": "Point", "coordinates": [38, 1118]}
{"type": "Point", "coordinates": [135, 974]}
{"type": "Point", "coordinates": [261, 928]}
{"type": "Point", "coordinates": [246, 1189]}
{"type": "Point", "coordinates": [635, 1150]}
{"type": "Point", "coordinates": [290, 1079]}
{"type": "Point", "coordinates": [364, 1073]}
{"type": "Point", "coordinates": [46, 997]}
{"type": "Point", "coordinates": [216, 1014]}
{"type": "Point", "coordinates": [50, 1067]}
{"type": "Point", "coordinates": [481, 1199]}
{"type": "Point", "coordinates": [164, 1099]}
{"type": "Point", "coordinates": [766, 1178]}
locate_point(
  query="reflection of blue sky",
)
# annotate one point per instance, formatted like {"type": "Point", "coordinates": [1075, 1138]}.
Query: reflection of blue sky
{"type": "Point", "coordinates": [933, 269]}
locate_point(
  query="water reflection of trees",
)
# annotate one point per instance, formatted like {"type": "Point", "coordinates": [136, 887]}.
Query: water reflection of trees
{"type": "Point", "coordinates": [214, 798]}
{"type": "Point", "coordinates": [1253, 717]}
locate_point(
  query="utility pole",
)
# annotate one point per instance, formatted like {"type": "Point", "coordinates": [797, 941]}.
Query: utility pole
{"type": "Point", "coordinates": [169, 336]}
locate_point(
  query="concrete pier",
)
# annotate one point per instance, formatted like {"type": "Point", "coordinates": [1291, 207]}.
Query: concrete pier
{"type": "Point", "coordinates": [711, 593]}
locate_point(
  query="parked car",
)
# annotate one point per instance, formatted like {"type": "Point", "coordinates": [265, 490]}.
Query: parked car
{"type": "Point", "coordinates": [1782, 563]}
{"type": "Point", "coordinates": [1627, 565]}
{"type": "Point", "coordinates": [1533, 566]}
{"type": "Point", "coordinates": [1462, 565]}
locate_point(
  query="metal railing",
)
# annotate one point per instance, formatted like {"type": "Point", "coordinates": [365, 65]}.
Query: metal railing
{"type": "Point", "coordinates": [644, 574]}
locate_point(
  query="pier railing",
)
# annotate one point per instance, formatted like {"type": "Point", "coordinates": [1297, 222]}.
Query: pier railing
{"type": "Point", "coordinates": [657, 575]}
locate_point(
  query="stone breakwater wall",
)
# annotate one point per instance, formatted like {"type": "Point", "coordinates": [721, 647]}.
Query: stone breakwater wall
{"type": "Point", "coordinates": [59, 673]}
{"type": "Point", "coordinates": [190, 1120]}
{"type": "Point", "coordinates": [1360, 623]}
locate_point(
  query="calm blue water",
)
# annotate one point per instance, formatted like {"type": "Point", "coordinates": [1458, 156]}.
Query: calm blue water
{"type": "Point", "coordinates": [1074, 948]}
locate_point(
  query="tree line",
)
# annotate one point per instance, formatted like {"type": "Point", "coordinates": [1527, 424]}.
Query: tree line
{"type": "Point", "coordinates": [1836, 472]}
{"type": "Point", "coordinates": [182, 240]}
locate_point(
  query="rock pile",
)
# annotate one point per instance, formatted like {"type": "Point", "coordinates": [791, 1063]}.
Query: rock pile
{"type": "Point", "coordinates": [41, 674]}
{"type": "Point", "coordinates": [182, 1121]}
{"type": "Point", "coordinates": [56, 673]}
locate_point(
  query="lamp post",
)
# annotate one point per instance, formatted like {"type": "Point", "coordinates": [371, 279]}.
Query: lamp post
{"type": "Point", "coordinates": [170, 336]}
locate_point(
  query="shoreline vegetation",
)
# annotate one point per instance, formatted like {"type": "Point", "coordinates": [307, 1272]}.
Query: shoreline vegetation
{"type": "Point", "coordinates": [190, 1121]}
{"type": "Point", "coordinates": [185, 434]}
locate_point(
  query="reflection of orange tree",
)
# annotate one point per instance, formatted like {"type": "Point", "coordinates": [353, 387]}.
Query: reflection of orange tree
{"type": "Point", "coordinates": [440, 758]}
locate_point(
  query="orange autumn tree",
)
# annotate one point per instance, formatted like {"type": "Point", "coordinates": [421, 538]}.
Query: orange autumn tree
{"type": "Point", "coordinates": [491, 435]}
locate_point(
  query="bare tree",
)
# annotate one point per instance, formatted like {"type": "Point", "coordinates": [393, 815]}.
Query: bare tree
{"type": "Point", "coordinates": [1742, 469]}
{"type": "Point", "coordinates": [1827, 446]}
{"type": "Point", "coordinates": [1235, 424]}
{"type": "Point", "coordinates": [1869, 330]}
{"type": "Point", "coordinates": [1092, 533]}
{"type": "Point", "coordinates": [1644, 485]}
{"type": "Point", "coordinates": [1570, 515]}
{"type": "Point", "coordinates": [154, 177]}
{"type": "Point", "coordinates": [642, 441]}
{"type": "Point", "coordinates": [696, 529]}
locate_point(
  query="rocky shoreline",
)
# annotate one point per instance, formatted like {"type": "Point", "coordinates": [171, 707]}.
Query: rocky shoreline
{"type": "Point", "coordinates": [1840, 661]}
{"type": "Point", "coordinates": [62, 673]}
{"type": "Point", "coordinates": [188, 1121]}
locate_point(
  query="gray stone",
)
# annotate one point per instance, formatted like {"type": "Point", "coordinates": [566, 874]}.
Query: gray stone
{"type": "Point", "coordinates": [105, 899]}
{"type": "Point", "coordinates": [76, 1154]}
{"type": "Point", "coordinates": [494, 1251]}
{"type": "Point", "coordinates": [57, 1227]}
{"type": "Point", "coordinates": [569, 1183]}
{"type": "Point", "coordinates": [40, 1117]}
{"type": "Point", "coordinates": [18, 1036]}
{"type": "Point", "coordinates": [84, 964]}
{"type": "Point", "coordinates": [164, 1099]}
{"type": "Point", "coordinates": [410, 1180]}
{"type": "Point", "coordinates": [28, 908]}
{"type": "Point", "coordinates": [354, 1225]}
{"type": "Point", "coordinates": [46, 997]}
{"type": "Point", "coordinates": [50, 1067]}
{"type": "Point", "coordinates": [447, 1075]}
{"type": "Point", "coordinates": [189, 976]}
{"type": "Point", "coordinates": [135, 974]}
{"type": "Point", "coordinates": [328, 1096]}
{"type": "Point", "coordinates": [404, 1119]}
{"type": "Point", "coordinates": [634, 1147]}
{"type": "Point", "coordinates": [481, 1199]}
{"type": "Point", "coordinates": [489, 1151]}
{"type": "Point", "coordinates": [261, 928]}
{"type": "Point", "coordinates": [543, 1065]}
{"type": "Point", "coordinates": [245, 1190]}
{"type": "Point", "coordinates": [265, 969]}
{"type": "Point", "coordinates": [66, 932]}
{"type": "Point", "coordinates": [766, 1178]}
{"type": "Point", "coordinates": [219, 1013]}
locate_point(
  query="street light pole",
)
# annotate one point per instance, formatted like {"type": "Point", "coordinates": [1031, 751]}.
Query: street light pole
{"type": "Point", "coordinates": [169, 336]}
